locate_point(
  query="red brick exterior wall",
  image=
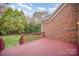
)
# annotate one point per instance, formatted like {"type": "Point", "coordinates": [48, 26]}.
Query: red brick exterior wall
{"type": "Point", "coordinates": [63, 26]}
{"type": "Point", "coordinates": [78, 22]}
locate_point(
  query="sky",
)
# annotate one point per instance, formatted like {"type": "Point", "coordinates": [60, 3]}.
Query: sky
{"type": "Point", "coordinates": [30, 8]}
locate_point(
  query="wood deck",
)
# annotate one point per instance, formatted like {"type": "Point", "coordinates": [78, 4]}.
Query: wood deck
{"type": "Point", "coordinates": [42, 47]}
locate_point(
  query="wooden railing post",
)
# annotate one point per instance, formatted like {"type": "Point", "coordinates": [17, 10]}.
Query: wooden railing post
{"type": "Point", "coordinates": [43, 34]}
{"type": "Point", "coordinates": [2, 44]}
{"type": "Point", "coordinates": [22, 39]}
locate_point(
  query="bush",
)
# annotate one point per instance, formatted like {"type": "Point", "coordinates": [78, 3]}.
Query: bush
{"type": "Point", "coordinates": [33, 28]}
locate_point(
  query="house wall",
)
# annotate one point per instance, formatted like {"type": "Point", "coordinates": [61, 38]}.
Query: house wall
{"type": "Point", "coordinates": [78, 22]}
{"type": "Point", "coordinates": [63, 26]}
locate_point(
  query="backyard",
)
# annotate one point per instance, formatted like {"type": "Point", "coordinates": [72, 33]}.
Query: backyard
{"type": "Point", "coordinates": [13, 40]}
{"type": "Point", "coordinates": [15, 21]}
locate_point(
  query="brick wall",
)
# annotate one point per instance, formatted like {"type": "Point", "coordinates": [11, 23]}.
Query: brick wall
{"type": "Point", "coordinates": [78, 22]}
{"type": "Point", "coordinates": [63, 26]}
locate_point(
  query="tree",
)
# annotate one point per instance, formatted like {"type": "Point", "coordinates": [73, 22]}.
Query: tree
{"type": "Point", "coordinates": [32, 27]}
{"type": "Point", "coordinates": [39, 15]}
{"type": "Point", "coordinates": [12, 21]}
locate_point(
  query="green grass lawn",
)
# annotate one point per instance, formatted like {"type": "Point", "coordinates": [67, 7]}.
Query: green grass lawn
{"type": "Point", "coordinates": [13, 40]}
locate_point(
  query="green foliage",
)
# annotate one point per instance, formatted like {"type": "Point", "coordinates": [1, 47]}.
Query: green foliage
{"type": "Point", "coordinates": [33, 28]}
{"type": "Point", "coordinates": [12, 21]}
